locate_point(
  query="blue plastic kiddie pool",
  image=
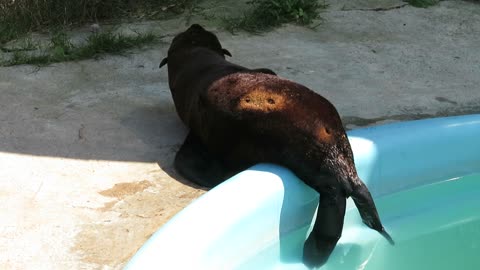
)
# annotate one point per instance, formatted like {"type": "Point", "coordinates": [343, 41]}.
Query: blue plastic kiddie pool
{"type": "Point", "coordinates": [424, 176]}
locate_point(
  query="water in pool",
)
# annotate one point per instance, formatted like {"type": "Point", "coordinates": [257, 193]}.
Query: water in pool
{"type": "Point", "coordinates": [435, 226]}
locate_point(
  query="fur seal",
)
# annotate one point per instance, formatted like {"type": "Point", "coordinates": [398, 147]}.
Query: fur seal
{"type": "Point", "coordinates": [239, 117]}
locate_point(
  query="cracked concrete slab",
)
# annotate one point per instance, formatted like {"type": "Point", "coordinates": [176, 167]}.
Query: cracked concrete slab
{"type": "Point", "coordinates": [86, 148]}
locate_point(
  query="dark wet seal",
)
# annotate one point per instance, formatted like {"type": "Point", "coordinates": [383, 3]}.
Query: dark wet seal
{"type": "Point", "coordinates": [239, 117]}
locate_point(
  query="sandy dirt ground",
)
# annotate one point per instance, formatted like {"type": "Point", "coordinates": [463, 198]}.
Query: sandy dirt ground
{"type": "Point", "coordinates": [86, 148]}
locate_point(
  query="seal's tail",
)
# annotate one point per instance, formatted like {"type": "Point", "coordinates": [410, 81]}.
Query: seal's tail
{"type": "Point", "coordinates": [364, 202]}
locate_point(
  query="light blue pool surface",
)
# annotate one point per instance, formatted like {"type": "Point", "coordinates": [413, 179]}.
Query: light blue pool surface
{"type": "Point", "coordinates": [424, 176]}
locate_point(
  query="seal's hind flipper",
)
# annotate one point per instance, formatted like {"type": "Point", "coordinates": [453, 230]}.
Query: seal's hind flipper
{"type": "Point", "coordinates": [194, 162]}
{"type": "Point", "coordinates": [365, 205]}
{"type": "Point", "coordinates": [327, 229]}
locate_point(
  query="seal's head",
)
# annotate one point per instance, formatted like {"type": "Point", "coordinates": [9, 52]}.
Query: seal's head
{"type": "Point", "coordinates": [195, 36]}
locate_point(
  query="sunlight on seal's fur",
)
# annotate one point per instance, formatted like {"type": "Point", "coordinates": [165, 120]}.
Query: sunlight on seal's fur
{"type": "Point", "coordinates": [261, 99]}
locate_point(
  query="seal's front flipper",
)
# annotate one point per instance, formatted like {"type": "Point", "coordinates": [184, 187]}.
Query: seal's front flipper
{"type": "Point", "coordinates": [194, 162]}
{"type": "Point", "coordinates": [327, 229]}
{"type": "Point", "coordinates": [364, 202]}
{"type": "Point", "coordinates": [264, 70]}
{"type": "Point", "coordinates": [163, 63]}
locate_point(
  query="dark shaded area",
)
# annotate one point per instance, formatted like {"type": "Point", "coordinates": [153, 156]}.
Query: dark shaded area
{"type": "Point", "coordinates": [472, 108]}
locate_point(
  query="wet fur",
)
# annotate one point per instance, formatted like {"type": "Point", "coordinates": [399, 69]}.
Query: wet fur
{"type": "Point", "coordinates": [239, 117]}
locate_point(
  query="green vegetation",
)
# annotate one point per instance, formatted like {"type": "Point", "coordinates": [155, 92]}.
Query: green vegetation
{"type": "Point", "coordinates": [422, 3]}
{"type": "Point", "coordinates": [267, 14]}
{"type": "Point", "coordinates": [22, 16]}
{"type": "Point", "coordinates": [61, 49]}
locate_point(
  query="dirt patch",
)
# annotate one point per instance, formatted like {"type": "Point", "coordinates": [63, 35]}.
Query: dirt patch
{"type": "Point", "coordinates": [108, 206]}
{"type": "Point", "coordinates": [122, 190]}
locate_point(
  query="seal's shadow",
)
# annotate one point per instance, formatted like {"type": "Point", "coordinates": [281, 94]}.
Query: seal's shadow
{"type": "Point", "coordinates": [162, 134]}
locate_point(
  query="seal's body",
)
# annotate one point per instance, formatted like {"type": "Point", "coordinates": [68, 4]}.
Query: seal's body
{"type": "Point", "coordinates": [239, 117]}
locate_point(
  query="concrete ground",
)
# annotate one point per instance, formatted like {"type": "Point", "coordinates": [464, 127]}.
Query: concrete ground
{"type": "Point", "coordinates": [86, 148]}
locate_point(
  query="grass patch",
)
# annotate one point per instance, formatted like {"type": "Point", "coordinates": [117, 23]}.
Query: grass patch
{"type": "Point", "coordinates": [267, 14]}
{"type": "Point", "coordinates": [61, 49]}
{"type": "Point", "coordinates": [111, 43]}
{"type": "Point", "coordinates": [422, 3]}
{"type": "Point", "coordinates": [22, 16]}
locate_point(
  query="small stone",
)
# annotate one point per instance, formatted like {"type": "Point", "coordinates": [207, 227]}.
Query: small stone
{"type": "Point", "coordinates": [95, 28]}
